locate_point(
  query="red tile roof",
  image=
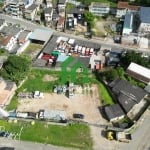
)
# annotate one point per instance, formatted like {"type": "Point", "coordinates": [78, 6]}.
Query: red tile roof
{"type": "Point", "coordinates": [124, 5]}
{"type": "Point", "coordinates": [60, 21]}
{"type": "Point", "coordinates": [6, 40]}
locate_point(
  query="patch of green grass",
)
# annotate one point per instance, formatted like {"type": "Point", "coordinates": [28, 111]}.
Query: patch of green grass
{"type": "Point", "coordinates": [32, 48]}
{"type": "Point", "coordinates": [69, 6]}
{"type": "Point", "coordinates": [13, 104]}
{"type": "Point", "coordinates": [35, 81]}
{"type": "Point", "coordinates": [76, 135]}
{"type": "Point", "coordinates": [105, 96]}
{"type": "Point", "coordinates": [3, 52]}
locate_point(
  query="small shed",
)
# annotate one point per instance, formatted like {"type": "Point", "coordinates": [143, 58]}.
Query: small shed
{"type": "Point", "coordinates": [114, 112]}
{"type": "Point", "coordinates": [55, 115]}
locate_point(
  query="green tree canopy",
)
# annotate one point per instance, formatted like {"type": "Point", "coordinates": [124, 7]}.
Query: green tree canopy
{"type": "Point", "coordinates": [89, 17]}
{"type": "Point", "coordinates": [132, 56]}
{"type": "Point", "coordinates": [16, 68]}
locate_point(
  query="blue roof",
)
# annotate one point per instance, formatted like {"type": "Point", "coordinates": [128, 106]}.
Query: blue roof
{"type": "Point", "coordinates": [145, 14]}
{"type": "Point", "coordinates": [128, 21]}
{"type": "Point", "coordinates": [62, 58]}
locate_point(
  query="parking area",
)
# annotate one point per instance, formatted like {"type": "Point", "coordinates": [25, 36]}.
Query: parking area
{"type": "Point", "coordinates": [85, 103]}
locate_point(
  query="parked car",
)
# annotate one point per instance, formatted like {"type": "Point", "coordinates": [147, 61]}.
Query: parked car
{"type": "Point", "coordinates": [80, 116]}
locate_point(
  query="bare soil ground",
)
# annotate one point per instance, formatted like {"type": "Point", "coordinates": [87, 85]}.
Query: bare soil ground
{"type": "Point", "coordinates": [83, 102]}
{"type": "Point", "coordinates": [86, 104]}
{"type": "Point", "coordinates": [49, 78]}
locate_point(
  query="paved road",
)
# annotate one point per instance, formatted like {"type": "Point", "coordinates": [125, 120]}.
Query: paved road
{"type": "Point", "coordinates": [141, 136]}
{"type": "Point", "coordinates": [22, 145]}
{"type": "Point", "coordinates": [31, 26]}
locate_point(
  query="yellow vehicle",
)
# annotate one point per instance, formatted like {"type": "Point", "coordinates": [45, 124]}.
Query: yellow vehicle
{"type": "Point", "coordinates": [110, 135]}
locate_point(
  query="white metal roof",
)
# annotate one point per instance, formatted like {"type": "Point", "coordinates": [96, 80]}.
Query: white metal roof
{"type": "Point", "coordinates": [139, 70]}
{"type": "Point", "coordinates": [41, 34]}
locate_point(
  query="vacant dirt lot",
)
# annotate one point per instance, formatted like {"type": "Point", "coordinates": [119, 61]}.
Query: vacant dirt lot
{"type": "Point", "coordinates": [86, 104]}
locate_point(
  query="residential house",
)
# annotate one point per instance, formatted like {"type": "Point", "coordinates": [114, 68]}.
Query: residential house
{"type": "Point", "coordinates": [139, 72]}
{"type": "Point", "coordinates": [128, 96]}
{"type": "Point", "coordinates": [23, 36]}
{"type": "Point", "coordinates": [49, 3]}
{"type": "Point", "coordinates": [60, 23]}
{"type": "Point", "coordinates": [7, 90]}
{"type": "Point", "coordinates": [124, 7]}
{"type": "Point", "coordinates": [30, 12]}
{"type": "Point", "coordinates": [7, 42]}
{"type": "Point", "coordinates": [144, 20]}
{"type": "Point", "coordinates": [99, 9]}
{"type": "Point", "coordinates": [128, 24]}
{"type": "Point", "coordinates": [113, 57]}
{"type": "Point", "coordinates": [10, 35]}
{"type": "Point", "coordinates": [15, 7]}
{"type": "Point", "coordinates": [61, 7]}
{"type": "Point", "coordinates": [48, 12]}
{"type": "Point", "coordinates": [75, 16]}
{"type": "Point", "coordinates": [114, 112]}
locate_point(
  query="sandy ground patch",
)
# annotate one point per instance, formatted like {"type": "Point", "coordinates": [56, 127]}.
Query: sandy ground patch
{"type": "Point", "coordinates": [86, 104]}
{"type": "Point", "coordinates": [49, 78]}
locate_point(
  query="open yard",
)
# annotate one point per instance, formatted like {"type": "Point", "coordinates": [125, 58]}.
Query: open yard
{"type": "Point", "coordinates": [32, 50]}
{"type": "Point", "coordinates": [86, 103]}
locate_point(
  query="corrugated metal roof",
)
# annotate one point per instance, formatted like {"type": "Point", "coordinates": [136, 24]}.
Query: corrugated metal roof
{"type": "Point", "coordinates": [145, 14]}
{"type": "Point", "coordinates": [41, 35]}
{"type": "Point", "coordinates": [139, 70]}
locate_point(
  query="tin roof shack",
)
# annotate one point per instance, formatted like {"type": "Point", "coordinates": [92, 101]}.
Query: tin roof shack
{"type": "Point", "coordinates": [52, 115]}
{"type": "Point", "coordinates": [114, 112]}
{"type": "Point", "coordinates": [139, 72]}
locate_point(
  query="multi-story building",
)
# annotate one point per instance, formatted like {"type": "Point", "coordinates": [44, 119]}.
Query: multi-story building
{"type": "Point", "coordinates": [144, 16]}
{"type": "Point", "coordinates": [99, 9]}
{"type": "Point", "coordinates": [124, 7]}
{"type": "Point", "coordinates": [16, 7]}
{"type": "Point", "coordinates": [30, 12]}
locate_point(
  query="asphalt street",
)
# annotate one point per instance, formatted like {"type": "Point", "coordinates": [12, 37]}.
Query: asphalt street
{"type": "Point", "coordinates": [141, 136]}
{"type": "Point", "coordinates": [23, 145]}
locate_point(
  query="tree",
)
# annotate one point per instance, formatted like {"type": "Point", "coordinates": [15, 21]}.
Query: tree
{"type": "Point", "coordinates": [16, 68]}
{"type": "Point", "coordinates": [89, 17]}
{"type": "Point", "coordinates": [132, 56]}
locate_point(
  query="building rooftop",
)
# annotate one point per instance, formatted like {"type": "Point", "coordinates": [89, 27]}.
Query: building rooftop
{"type": "Point", "coordinates": [124, 89]}
{"type": "Point", "coordinates": [61, 1]}
{"type": "Point", "coordinates": [126, 102]}
{"type": "Point", "coordinates": [128, 21]}
{"type": "Point", "coordinates": [31, 8]}
{"type": "Point", "coordinates": [98, 4]}
{"type": "Point", "coordinates": [23, 34]}
{"type": "Point", "coordinates": [48, 10]}
{"type": "Point", "coordinates": [10, 30]}
{"type": "Point", "coordinates": [125, 5]}
{"type": "Point", "coordinates": [145, 14]}
{"type": "Point", "coordinates": [139, 72]}
{"type": "Point", "coordinates": [41, 35]}
{"type": "Point", "coordinates": [114, 111]}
